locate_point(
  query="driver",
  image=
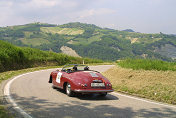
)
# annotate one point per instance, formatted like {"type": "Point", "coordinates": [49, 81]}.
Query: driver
{"type": "Point", "coordinates": [75, 68]}
{"type": "Point", "coordinates": [86, 68]}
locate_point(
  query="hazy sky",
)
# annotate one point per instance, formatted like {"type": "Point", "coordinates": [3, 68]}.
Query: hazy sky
{"type": "Point", "coordinates": [148, 16]}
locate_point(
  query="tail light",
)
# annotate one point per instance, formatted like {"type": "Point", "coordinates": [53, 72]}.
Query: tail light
{"type": "Point", "coordinates": [108, 84]}
{"type": "Point", "coordinates": [84, 85]}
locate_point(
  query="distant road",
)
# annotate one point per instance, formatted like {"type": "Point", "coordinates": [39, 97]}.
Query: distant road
{"type": "Point", "coordinates": [38, 99]}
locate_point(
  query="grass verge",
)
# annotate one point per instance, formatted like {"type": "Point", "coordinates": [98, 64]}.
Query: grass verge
{"type": "Point", "coordinates": [151, 84]}
{"type": "Point", "coordinates": [4, 113]}
{"type": "Point", "coordinates": [147, 64]}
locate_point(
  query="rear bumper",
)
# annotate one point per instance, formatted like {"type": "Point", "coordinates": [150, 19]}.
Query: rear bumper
{"type": "Point", "coordinates": [92, 91]}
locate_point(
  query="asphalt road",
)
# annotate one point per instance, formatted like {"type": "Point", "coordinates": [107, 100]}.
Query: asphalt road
{"type": "Point", "coordinates": [36, 97]}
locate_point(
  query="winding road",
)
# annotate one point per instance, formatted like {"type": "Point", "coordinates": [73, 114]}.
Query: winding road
{"type": "Point", "coordinates": [32, 94]}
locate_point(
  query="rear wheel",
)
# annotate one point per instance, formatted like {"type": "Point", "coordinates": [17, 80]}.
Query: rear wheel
{"type": "Point", "coordinates": [50, 79]}
{"type": "Point", "coordinates": [69, 92]}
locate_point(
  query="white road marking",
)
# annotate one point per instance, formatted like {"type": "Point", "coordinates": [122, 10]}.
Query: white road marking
{"type": "Point", "coordinates": [144, 100]}
{"type": "Point", "coordinates": [8, 97]}
{"type": "Point", "coordinates": [11, 100]}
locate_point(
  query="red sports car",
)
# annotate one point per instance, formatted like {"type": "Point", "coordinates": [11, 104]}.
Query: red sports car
{"type": "Point", "coordinates": [75, 78]}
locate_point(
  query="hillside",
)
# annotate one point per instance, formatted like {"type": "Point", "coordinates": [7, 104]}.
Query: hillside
{"type": "Point", "coordinates": [13, 57]}
{"type": "Point", "coordinates": [88, 40]}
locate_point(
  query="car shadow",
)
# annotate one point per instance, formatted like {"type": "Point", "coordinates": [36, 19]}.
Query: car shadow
{"type": "Point", "coordinates": [95, 97]}
{"type": "Point", "coordinates": [92, 97]}
{"type": "Point", "coordinates": [60, 90]}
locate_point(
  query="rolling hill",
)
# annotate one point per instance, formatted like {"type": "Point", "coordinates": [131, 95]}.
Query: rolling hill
{"type": "Point", "coordinates": [88, 40]}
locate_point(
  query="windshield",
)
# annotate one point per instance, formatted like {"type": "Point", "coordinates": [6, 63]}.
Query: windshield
{"type": "Point", "coordinates": [75, 67]}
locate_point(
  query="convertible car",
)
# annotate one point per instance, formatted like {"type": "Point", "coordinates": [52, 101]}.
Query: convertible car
{"type": "Point", "coordinates": [75, 78]}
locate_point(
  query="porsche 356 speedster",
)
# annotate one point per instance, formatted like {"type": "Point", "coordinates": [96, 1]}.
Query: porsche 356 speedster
{"type": "Point", "coordinates": [76, 78]}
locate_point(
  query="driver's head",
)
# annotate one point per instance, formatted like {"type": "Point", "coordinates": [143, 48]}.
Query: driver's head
{"type": "Point", "coordinates": [75, 68]}
{"type": "Point", "coordinates": [86, 68]}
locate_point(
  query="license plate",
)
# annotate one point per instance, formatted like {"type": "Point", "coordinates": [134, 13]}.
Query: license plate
{"type": "Point", "coordinates": [97, 85]}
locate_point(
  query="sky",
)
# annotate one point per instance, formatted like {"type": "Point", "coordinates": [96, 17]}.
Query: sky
{"type": "Point", "coordinates": [146, 16]}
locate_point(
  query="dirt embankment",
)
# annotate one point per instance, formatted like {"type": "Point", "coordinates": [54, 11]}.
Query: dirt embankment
{"type": "Point", "coordinates": [69, 51]}
{"type": "Point", "coordinates": [156, 85]}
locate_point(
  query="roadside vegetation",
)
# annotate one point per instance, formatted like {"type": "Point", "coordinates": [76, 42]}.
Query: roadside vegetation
{"type": "Point", "coordinates": [4, 113]}
{"type": "Point", "coordinates": [13, 57]}
{"type": "Point", "coordinates": [147, 64]}
{"type": "Point", "coordinates": [145, 78]}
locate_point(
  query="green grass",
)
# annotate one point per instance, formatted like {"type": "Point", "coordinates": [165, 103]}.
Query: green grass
{"type": "Point", "coordinates": [147, 64]}
{"type": "Point", "coordinates": [4, 113]}
{"type": "Point", "coordinates": [87, 41]}
{"type": "Point", "coordinates": [34, 41]}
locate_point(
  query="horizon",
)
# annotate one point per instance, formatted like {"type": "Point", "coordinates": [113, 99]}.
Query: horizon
{"type": "Point", "coordinates": [151, 16]}
{"type": "Point", "coordinates": [83, 23]}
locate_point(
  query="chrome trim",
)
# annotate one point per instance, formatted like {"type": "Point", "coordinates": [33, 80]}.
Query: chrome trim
{"type": "Point", "coordinates": [91, 91]}
{"type": "Point", "coordinates": [97, 81]}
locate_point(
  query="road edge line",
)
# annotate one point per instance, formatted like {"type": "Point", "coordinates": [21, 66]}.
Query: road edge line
{"type": "Point", "coordinates": [145, 100]}
{"type": "Point", "coordinates": [10, 100]}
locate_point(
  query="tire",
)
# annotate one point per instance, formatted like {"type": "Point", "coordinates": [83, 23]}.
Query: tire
{"type": "Point", "coordinates": [68, 90]}
{"type": "Point", "coordinates": [50, 79]}
{"type": "Point", "coordinates": [103, 94]}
